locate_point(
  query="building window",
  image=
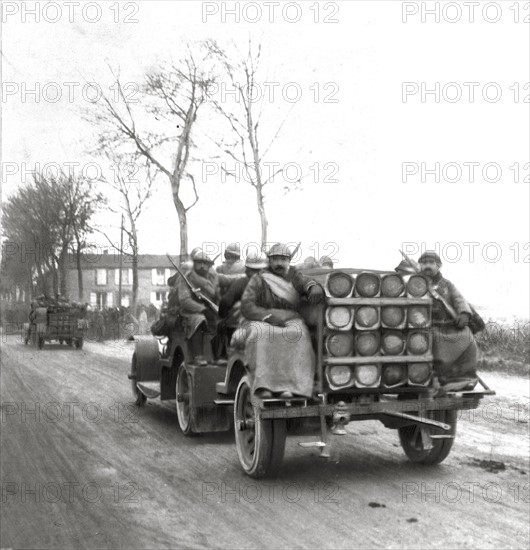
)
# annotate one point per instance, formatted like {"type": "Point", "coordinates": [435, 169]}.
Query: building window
{"type": "Point", "coordinates": [126, 276]}
{"type": "Point", "coordinates": [157, 297]}
{"type": "Point", "coordinates": [101, 276]}
{"type": "Point", "coordinates": [159, 276]}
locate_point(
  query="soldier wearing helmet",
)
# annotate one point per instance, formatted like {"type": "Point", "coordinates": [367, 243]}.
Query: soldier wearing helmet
{"type": "Point", "coordinates": [326, 261]}
{"type": "Point", "coordinates": [232, 264]}
{"type": "Point", "coordinates": [454, 348]}
{"type": "Point", "coordinates": [230, 304]}
{"type": "Point", "coordinates": [278, 345]}
{"type": "Point", "coordinates": [200, 322]}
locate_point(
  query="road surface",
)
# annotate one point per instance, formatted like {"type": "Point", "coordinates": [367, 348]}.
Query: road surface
{"type": "Point", "coordinates": [81, 467]}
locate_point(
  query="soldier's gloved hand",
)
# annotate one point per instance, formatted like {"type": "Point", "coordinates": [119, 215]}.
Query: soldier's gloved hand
{"type": "Point", "coordinates": [315, 294]}
{"type": "Point", "coordinates": [462, 320]}
{"type": "Point", "coordinates": [274, 320]}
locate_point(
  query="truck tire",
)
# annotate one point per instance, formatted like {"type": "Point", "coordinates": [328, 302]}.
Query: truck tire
{"type": "Point", "coordinates": [184, 400]}
{"type": "Point", "coordinates": [260, 443]}
{"type": "Point", "coordinates": [412, 443]}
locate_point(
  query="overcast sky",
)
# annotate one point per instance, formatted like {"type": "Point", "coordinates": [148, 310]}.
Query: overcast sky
{"type": "Point", "coordinates": [360, 201]}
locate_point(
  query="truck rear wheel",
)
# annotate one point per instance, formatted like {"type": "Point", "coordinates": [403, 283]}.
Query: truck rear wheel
{"type": "Point", "coordinates": [413, 443]}
{"type": "Point", "coordinates": [260, 443]}
{"type": "Point", "coordinates": [184, 400]}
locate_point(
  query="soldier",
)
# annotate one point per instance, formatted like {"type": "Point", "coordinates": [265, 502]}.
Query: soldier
{"type": "Point", "coordinates": [230, 304]}
{"type": "Point", "coordinates": [232, 264]}
{"type": "Point", "coordinates": [326, 261]}
{"type": "Point", "coordinates": [309, 263]}
{"type": "Point", "coordinates": [278, 346]}
{"type": "Point", "coordinates": [454, 348]}
{"type": "Point", "coordinates": [200, 322]}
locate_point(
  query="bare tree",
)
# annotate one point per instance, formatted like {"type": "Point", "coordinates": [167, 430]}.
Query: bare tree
{"type": "Point", "coordinates": [43, 219]}
{"type": "Point", "coordinates": [244, 115]}
{"type": "Point", "coordinates": [170, 100]}
{"type": "Point", "coordinates": [135, 187]}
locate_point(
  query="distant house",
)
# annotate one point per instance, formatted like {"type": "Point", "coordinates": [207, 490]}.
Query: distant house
{"type": "Point", "coordinates": [101, 279]}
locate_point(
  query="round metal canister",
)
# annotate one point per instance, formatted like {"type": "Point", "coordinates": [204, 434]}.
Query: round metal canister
{"type": "Point", "coordinates": [417, 286]}
{"type": "Point", "coordinates": [392, 285]}
{"type": "Point", "coordinates": [418, 342]}
{"type": "Point", "coordinates": [418, 317]}
{"type": "Point", "coordinates": [366, 317]}
{"type": "Point", "coordinates": [339, 284]}
{"type": "Point", "coordinates": [393, 316]}
{"type": "Point", "coordinates": [367, 343]}
{"type": "Point", "coordinates": [393, 342]}
{"type": "Point", "coordinates": [367, 285]}
{"type": "Point", "coordinates": [339, 344]}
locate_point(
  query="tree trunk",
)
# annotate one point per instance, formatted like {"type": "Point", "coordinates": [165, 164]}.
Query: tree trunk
{"type": "Point", "coordinates": [80, 289]}
{"type": "Point", "coordinates": [262, 216]}
{"type": "Point", "coordinates": [63, 280]}
{"type": "Point", "coordinates": [183, 218]}
{"type": "Point", "coordinates": [135, 280]}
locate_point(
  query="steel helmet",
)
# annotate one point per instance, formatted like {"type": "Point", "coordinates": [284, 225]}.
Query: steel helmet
{"type": "Point", "coordinates": [279, 249]}
{"type": "Point", "coordinates": [256, 260]}
{"type": "Point", "coordinates": [233, 249]}
{"type": "Point", "coordinates": [326, 261]}
{"type": "Point", "coordinates": [202, 257]}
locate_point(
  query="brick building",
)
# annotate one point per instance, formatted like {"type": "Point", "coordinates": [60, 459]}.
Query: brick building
{"type": "Point", "coordinates": [101, 279]}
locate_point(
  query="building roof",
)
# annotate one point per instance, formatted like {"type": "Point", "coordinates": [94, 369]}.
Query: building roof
{"type": "Point", "coordinates": [112, 261]}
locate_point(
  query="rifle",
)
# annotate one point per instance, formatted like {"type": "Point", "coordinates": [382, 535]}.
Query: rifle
{"type": "Point", "coordinates": [293, 254]}
{"type": "Point", "coordinates": [195, 291]}
{"type": "Point", "coordinates": [432, 288]}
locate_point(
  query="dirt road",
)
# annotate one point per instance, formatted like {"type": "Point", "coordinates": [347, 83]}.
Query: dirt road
{"type": "Point", "coordinates": [82, 468]}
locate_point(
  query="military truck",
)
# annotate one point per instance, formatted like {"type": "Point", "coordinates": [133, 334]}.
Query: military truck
{"type": "Point", "coordinates": [373, 342]}
{"type": "Point", "coordinates": [63, 323]}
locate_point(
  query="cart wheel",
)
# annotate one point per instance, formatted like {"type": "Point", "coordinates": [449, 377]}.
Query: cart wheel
{"type": "Point", "coordinates": [260, 443]}
{"type": "Point", "coordinates": [79, 343]}
{"type": "Point", "coordinates": [412, 441]}
{"type": "Point", "coordinates": [184, 400]}
{"type": "Point", "coordinates": [40, 342]}
{"type": "Point", "coordinates": [139, 397]}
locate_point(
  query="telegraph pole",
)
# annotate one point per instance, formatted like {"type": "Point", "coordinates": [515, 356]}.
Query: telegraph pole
{"type": "Point", "coordinates": [120, 275]}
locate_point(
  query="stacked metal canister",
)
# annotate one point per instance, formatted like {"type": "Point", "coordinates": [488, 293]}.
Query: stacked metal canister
{"type": "Point", "coordinates": [377, 330]}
